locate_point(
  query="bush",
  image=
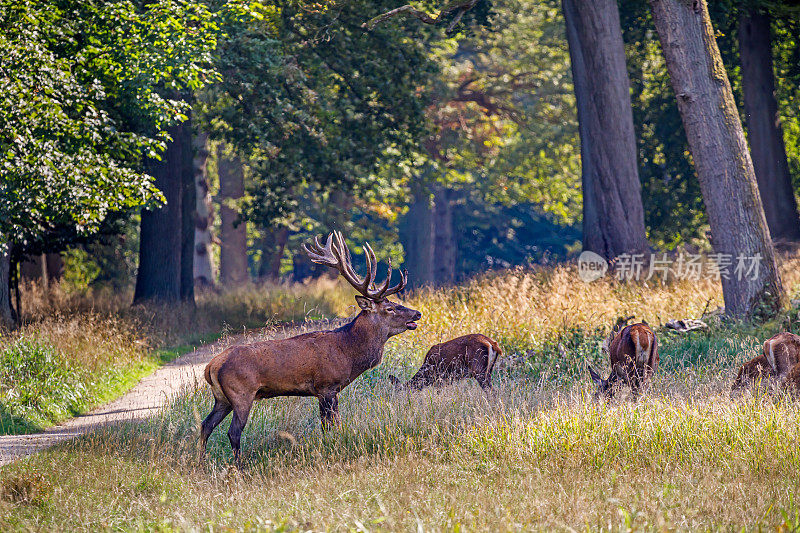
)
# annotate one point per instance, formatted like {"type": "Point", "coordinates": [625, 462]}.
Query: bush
{"type": "Point", "coordinates": [37, 385]}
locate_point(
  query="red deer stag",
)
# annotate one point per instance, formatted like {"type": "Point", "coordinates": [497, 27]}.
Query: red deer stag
{"type": "Point", "coordinates": [780, 354]}
{"type": "Point", "coordinates": [634, 357]}
{"type": "Point", "coordinates": [470, 356]}
{"type": "Point", "coordinates": [318, 364]}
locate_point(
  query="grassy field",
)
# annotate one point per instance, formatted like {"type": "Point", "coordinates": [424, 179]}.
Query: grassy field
{"type": "Point", "coordinates": [542, 455]}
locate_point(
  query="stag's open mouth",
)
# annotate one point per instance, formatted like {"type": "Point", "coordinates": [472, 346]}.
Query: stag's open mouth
{"type": "Point", "coordinates": [411, 325]}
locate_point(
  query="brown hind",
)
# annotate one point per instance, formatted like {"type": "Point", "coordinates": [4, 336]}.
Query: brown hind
{"type": "Point", "coordinates": [469, 356]}
{"type": "Point", "coordinates": [634, 358]}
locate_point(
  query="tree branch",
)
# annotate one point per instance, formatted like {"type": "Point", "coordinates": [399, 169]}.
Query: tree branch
{"type": "Point", "coordinates": [462, 7]}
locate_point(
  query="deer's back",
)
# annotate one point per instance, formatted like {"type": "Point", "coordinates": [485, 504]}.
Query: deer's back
{"type": "Point", "coordinates": [792, 383]}
{"type": "Point", "coordinates": [300, 365]}
{"type": "Point", "coordinates": [460, 348]}
{"type": "Point", "coordinates": [634, 345]}
{"type": "Point", "coordinates": [782, 352]}
{"type": "Point", "coordinates": [462, 357]}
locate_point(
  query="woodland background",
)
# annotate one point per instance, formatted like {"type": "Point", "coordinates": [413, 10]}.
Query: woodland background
{"type": "Point", "coordinates": [262, 124]}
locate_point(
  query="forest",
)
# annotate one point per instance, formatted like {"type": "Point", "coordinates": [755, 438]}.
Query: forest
{"type": "Point", "coordinates": [539, 172]}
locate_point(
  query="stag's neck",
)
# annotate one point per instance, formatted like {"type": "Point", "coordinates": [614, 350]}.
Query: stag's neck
{"type": "Point", "coordinates": [363, 339]}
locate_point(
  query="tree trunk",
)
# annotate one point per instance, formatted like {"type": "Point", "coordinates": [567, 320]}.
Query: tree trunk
{"type": "Point", "coordinates": [416, 232]}
{"type": "Point", "coordinates": [159, 274]}
{"type": "Point", "coordinates": [592, 237]}
{"type": "Point", "coordinates": [764, 128]}
{"type": "Point", "coordinates": [55, 266]}
{"type": "Point", "coordinates": [273, 247]}
{"type": "Point", "coordinates": [233, 231]}
{"type": "Point", "coordinates": [444, 248]}
{"type": "Point", "coordinates": [719, 150]}
{"type": "Point", "coordinates": [204, 216]}
{"type": "Point", "coordinates": [34, 268]}
{"type": "Point", "coordinates": [6, 315]}
{"type": "Point", "coordinates": [613, 212]}
{"type": "Point", "coordinates": [188, 205]}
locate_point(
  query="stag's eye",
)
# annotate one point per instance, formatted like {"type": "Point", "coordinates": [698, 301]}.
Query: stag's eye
{"type": "Point", "coordinates": [390, 309]}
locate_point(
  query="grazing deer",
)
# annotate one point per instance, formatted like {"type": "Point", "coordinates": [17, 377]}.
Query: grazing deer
{"type": "Point", "coordinates": [780, 354]}
{"type": "Point", "coordinates": [633, 351]}
{"type": "Point", "coordinates": [470, 356]}
{"type": "Point", "coordinates": [791, 384]}
{"type": "Point", "coordinates": [756, 370]}
{"type": "Point", "coordinates": [318, 364]}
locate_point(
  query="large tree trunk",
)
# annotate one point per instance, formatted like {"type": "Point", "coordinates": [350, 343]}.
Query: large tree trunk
{"type": "Point", "coordinates": [719, 150]}
{"type": "Point", "coordinates": [34, 268]}
{"type": "Point", "coordinates": [764, 128]}
{"type": "Point", "coordinates": [592, 236]}
{"type": "Point", "coordinates": [444, 247]}
{"type": "Point", "coordinates": [42, 268]}
{"type": "Point", "coordinates": [416, 232]}
{"type": "Point", "coordinates": [159, 274]}
{"type": "Point", "coordinates": [188, 204]}
{"type": "Point", "coordinates": [6, 315]}
{"type": "Point", "coordinates": [233, 231]}
{"type": "Point", "coordinates": [273, 247]}
{"type": "Point", "coordinates": [55, 266]}
{"type": "Point", "coordinates": [204, 213]}
{"type": "Point", "coordinates": [613, 212]}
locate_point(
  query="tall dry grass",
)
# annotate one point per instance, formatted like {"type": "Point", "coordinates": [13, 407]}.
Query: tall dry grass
{"type": "Point", "coordinates": [542, 455]}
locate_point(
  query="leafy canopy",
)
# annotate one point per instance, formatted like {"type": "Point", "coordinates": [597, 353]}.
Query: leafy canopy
{"type": "Point", "coordinates": [82, 101]}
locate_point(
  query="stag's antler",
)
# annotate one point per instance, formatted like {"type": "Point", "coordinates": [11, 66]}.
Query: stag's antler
{"type": "Point", "coordinates": [335, 253]}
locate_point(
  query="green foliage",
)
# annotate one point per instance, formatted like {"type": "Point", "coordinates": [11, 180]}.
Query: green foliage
{"type": "Point", "coordinates": [505, 112]}
{"type": "Point", "coordinates": [786, 54]}
{"type": "Point", "coordinates": [82, 101]}
{"type": "Point", "coordinates": [313, 102]}
{"type": "Point", "coordinates": [36, 385]}
{"type": "Point", "coordinates": [500, 236]}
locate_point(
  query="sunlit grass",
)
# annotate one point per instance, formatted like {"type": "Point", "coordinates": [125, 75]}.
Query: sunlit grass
{"type": "Point", "coordinates": [541, 455]}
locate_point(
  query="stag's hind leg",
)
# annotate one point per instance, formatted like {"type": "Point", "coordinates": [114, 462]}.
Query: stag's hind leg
{"type": "Point", "coordinates": [217, 415]}
{"type": "Point", "coordinates": [241, 411]}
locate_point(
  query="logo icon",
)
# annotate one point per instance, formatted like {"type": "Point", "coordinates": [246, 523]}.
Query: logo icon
{"type": "Point", "coordinates": [591, 266]}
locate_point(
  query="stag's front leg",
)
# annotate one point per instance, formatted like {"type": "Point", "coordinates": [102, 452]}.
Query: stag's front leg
{"type": "Point", "coordinates": [328, 410]}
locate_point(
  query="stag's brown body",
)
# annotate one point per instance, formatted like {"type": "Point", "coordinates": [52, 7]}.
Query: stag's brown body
{"type": "Point", "coordinates": [318, 364]}
{"type": "Point", "coordinates": [470, 356]}
{"type": "Point", "coordinates": [633, 352]}
{"type": "Point", "coordinates": [781, 353]}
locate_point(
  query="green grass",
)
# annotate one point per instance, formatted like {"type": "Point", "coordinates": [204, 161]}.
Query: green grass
{"type": "Point", "coordinates": [543, 456]}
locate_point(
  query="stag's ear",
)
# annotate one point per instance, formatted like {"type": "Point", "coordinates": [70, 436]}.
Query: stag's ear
{"type": "Point", "coordinates": [366, 304]}
{"type": "Point", "coordinates": [595, 377]}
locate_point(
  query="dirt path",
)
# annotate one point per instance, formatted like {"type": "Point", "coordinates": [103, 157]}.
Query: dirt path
{"type": "Point", "coordinates": [145, 399]}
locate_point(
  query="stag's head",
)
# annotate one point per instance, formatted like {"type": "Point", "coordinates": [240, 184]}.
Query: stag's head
{"type": "Point", "coordinates": [372, 299]}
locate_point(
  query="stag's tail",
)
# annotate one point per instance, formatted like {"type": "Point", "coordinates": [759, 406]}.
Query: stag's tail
{"type": "Point", "coordinates": [211, 374]}
{"type": "Point", "coordinates": [494, 352]}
